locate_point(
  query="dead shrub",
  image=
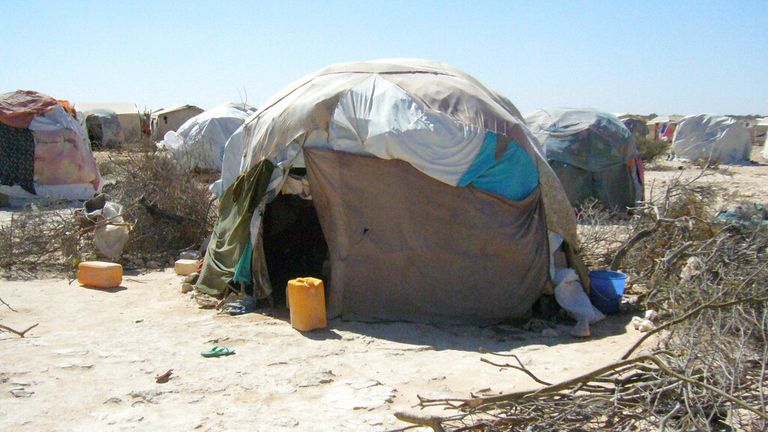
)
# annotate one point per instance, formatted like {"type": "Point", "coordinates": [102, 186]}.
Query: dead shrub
{"type": "Point", "coordinates": [170, 209]}
{"type": "Point", "coordinates": [42, 239]}
{"type": "Point", "coordinates": [601, 232]}
{"type": "Point", "coordinates": [651, 149]}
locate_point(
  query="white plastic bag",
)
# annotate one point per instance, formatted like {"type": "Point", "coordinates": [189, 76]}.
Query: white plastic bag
{"type": "Point", "coordinates": [570, 296]}
{"type": "Point", "coordinates": [110, 239]}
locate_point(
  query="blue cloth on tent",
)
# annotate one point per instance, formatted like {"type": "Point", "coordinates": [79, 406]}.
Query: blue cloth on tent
{"type": "Point", "coordinates": [244, 271]}
{"type": "Point", "coordinates": [513, 176]}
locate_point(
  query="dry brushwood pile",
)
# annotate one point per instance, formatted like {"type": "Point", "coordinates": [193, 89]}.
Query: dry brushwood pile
{"type": "Point", "coordinates": [168, 210]}
{"type": "Point", "coordinates": [41, 239]}
{"type": "Point", "coordinates": [703, 367]}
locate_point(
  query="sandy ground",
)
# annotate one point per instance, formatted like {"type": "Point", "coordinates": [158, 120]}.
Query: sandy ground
{"type": "Point", "coordinates": [90, 364]}
{"type": "Point", "coordinates": [736, 183]}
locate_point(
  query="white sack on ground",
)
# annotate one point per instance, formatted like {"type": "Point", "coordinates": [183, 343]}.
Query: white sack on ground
{"type": "Point", "coordinates": [570, 296]}
{"type": "Point", "coordinates": [110, 239]}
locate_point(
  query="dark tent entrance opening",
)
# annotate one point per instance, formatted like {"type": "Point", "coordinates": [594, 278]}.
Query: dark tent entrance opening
{"type": "Point", "coordinates": [294, 245]}
{"type": "Point", "coordinates": [95, 133]}
{"type": "Point", "coordinates": [104, 129]}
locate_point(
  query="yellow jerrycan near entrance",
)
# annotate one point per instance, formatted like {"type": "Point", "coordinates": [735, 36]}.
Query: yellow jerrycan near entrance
{"type": "Point", "coordinates": [306, 302]}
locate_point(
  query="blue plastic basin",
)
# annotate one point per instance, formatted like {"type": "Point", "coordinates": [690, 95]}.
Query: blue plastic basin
{"type": "Point", "coordinates": [607, 290]}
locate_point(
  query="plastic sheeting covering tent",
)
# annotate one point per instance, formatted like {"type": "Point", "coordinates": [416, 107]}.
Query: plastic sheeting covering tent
{"type": "Point", "coordinates": [200, 141]}
{"type": "Point", "coordinates": [104, 128]}
{"type": "Point", "coordinates": [593, 154]}
{"type": "Point", "coordinates": [230, 163]}
{"type": "Point", "coordinates": [712, 137]}
{"type": "Point", "coordinates": [44, 150]}
{"type": "Point", "coordinates": [765, 147]}
{"type": "Point", "coordinates": [433, 197]}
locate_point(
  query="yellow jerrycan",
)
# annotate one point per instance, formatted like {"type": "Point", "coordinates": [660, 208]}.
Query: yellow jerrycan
{"type": "Point", "coordinates": [306, 302]}
{"type": "Point", "coordinates": [99, 274]}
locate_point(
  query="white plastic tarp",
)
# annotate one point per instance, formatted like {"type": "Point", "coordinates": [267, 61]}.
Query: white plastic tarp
{"type": "Point", "coordinates": [712, 137]}
{"type": "Point", "coordinates": [200, 141]}
{"type": "Point", "coordinates": [230, 164]}
{"type": "Point", "coordinates": [589, 139]}
{"type": "Point", "coordinates": [379, 118]}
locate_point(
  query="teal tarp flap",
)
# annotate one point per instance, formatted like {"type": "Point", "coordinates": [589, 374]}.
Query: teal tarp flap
{"type": "Point", "coordinates": [513, 176]}
{"type": "Point", "coordinates": [244, 270]}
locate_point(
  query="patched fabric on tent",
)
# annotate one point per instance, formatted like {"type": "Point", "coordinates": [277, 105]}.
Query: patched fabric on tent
{"type": "Point", "coordinates": [593, 154]}
{"type": "Point", "coordinates": [17, 157]}
{"type": "Point", "coordinates": [711, 137]}
{"type": "Point", "coordinates": [17, 109]}
{"type": "Point", "coordinates": [428, 186]}
{"type": "Point", "coordinates": [62, 163]}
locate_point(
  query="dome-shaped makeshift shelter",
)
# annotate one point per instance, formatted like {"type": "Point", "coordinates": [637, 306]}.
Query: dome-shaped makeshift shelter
{"type": "Point", "coordinates": [44, 150]}
{"type": "Point", "coordinates": [104, 128]}
{"type": "Point", "coordinates": [418, 187]}
{"type": "Point", "coordinates": [593, 154]}
{"type": "Point", "coordinates": [199, 142]}
{"type": "Point", "coordinates": [712, 137]}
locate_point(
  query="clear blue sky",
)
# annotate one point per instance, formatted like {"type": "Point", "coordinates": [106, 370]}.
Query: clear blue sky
{"type": "Point", "coordinates": [620, 56]}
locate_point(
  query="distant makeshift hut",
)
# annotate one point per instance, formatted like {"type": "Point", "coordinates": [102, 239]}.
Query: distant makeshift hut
{"type": "Point", "coordinates": [104, 129]}
{"type": "Point", "coordinates": [200, 141]}
{"type": "Point", "coordinates": [171, 119]}
{"type": "Point", "coordinates": [44, 150]}
{"type": "Point", "coordinates": [593, 154]}
{"type": "Point", "coordinates": [637, 126]}
{"type": "Point", "coordinates": [127, 113]}
{"type": "Point", "coordinates": [662, 128]}
{"type": "Point", "coordinates": [710, 137]}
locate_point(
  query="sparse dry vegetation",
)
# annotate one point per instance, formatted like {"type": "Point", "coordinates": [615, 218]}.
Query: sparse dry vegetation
{"type": "Point", "coordinates": [651, 149]}
{"type": "Point", "coordinates": [41, 239]}
{"type": "Point", "coordinates": [168, 210]}
{"type": "Point", "coordinates": [171, 210]}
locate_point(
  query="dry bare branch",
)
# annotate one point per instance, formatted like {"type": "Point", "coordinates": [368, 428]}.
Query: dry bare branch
{"type": "Point", "coordinates": [20, 333]}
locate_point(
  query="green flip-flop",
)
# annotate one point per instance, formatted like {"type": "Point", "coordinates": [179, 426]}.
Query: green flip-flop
{"type": "Point", "coordinates": [218, 352]}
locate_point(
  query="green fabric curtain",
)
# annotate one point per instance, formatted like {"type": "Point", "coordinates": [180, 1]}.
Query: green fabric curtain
{"type": "Point", "coordinates": [231, 234]}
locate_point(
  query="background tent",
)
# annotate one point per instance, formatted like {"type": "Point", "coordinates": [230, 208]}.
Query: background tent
{"type": "Point", "coordinates": [593, 154]}
{"type": "Point", "coordinates": [104, 129]}
{"type": "Point", "coordinates": [712, 137]}
{"type": "Point", "coordinates": [44, 150]}
{"type": "Point", "coordinates": [419, 188]}
{"type": "Point", "coordinates": [200, 141]}
{"type": "Point", "coordinates": [765, 147]}
{"type": "Point", "coordinates": [759, 130]}
{"type": "Point", "coordinates": [171, 119]}
{"type": "Point", "coordinates": [662, 128]}
{"type": "Point", "coordinates": [128, 115]}
{"type": "Point", "coordinates": [637, 126]}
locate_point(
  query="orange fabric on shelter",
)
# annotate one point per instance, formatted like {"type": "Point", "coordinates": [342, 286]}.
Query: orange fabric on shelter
{"type": "Point", "coordinates": [17, 109]}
